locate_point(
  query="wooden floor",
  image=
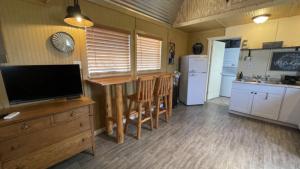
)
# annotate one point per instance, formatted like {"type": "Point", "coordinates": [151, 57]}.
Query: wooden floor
{"type": "Point", "coordinates": [198, 137]}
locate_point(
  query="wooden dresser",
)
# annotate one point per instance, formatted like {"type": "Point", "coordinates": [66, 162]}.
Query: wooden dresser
{"type": "Point", "coordinates": [46, 133]}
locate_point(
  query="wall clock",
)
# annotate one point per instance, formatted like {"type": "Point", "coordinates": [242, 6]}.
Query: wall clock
{"type": "Point", "coordinates": [63, 42]}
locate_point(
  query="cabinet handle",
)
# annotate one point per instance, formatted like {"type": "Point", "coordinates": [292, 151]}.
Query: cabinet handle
{"type": "Point", "coordinates": [80, 124]}
{"type": "Point", "coordinates": [267, 96]}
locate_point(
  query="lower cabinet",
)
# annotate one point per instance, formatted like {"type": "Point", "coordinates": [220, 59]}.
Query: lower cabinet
{"type": "Point", "coordinates": [241, 100]}
{"type": "Point", "coordinates": [257, 100]}
{"type": "Point", "coordinates": [266, 105]}
{"type": "Point", "coordinates": [290, 110]}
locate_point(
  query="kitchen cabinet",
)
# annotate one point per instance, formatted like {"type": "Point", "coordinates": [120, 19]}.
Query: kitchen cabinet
{"type": "Point", "coordinates": [266, 105]}
{"type": "Point", "coordinates": [257, 100]}
{"type": "Point", "coordinates": [290, 110]}
{"type": "Point", "coordinates": [241, 100]}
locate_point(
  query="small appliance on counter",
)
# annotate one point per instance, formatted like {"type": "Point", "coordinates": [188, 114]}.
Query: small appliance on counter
{"type": "Point", "coordinates": [291, 80]}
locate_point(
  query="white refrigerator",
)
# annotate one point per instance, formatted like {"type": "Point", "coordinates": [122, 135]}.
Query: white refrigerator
{"type": "Point", "coordinates": [192, 89]}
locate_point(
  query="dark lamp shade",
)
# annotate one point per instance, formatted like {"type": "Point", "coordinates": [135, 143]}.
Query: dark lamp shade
{"type": "Point", "coordinates": [78, 21]}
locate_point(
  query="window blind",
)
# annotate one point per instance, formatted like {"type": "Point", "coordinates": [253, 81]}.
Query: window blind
{"type": "Point", "coordinates": [148, 53]}
{"type": "Point", "coordinates": [107, 51]}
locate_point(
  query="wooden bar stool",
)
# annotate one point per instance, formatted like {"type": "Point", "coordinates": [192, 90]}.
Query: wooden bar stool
{"type": "Point", "coordinates": [140, 104]}
{"type": "Point", "coordinates": [162, 96]}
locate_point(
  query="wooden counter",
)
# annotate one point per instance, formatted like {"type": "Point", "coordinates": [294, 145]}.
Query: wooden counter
{"type": "Point", "coordinates": [117, 82]}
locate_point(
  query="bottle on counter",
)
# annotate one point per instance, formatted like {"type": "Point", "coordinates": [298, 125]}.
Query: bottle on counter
{"type": "Point", "coordinates": [240, 76]}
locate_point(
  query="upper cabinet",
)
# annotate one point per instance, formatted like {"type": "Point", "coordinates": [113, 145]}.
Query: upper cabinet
{"type": "Point", "coordinates": [290, 110]}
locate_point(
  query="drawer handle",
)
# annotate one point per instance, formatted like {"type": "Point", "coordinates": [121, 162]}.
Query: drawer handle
{"type": "Point", "coordinates": [80, 124]}
{"type": "Point", "coordinates": [24, 126]}
{"type": "Point", "coordinates": [83, 140]}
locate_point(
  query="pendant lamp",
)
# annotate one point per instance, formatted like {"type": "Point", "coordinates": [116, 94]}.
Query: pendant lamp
{"type": "Point", "coordinates": [75, 18]}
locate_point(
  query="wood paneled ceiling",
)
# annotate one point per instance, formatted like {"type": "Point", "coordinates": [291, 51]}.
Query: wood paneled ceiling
{"type": "Point", "coordinates": [277, 11]}
{"type": "Point", "coordinates": [202, 15]}
{"type": "Point", "coordinates": [163, 10]}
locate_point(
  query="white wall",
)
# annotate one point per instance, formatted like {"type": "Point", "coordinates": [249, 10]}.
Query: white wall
{"type": "Point", "coordinates": [284, 29]}
{"type": "Point", "coordinates": [260, 63]}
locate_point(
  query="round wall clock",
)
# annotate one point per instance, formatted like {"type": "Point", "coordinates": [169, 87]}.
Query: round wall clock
{"type": "Point", "coordinates": [63, 42]}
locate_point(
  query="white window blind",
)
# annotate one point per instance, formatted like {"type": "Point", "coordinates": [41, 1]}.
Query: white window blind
{"type": "Point", "coordinates": [148, 53]}
{"type": "Point", "coordinates": [107, 51]}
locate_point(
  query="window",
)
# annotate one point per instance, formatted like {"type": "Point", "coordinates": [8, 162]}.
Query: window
{"type": "Point", "coordinates": [148, 53]}
{"type": "Point", "coordinates": [107, 51]}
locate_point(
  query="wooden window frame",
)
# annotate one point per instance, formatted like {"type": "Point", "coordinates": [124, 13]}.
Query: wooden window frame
{"type": "Point", "coordinates": [143, 34]}
{"type": "Point", "coordinates": [111, 74]}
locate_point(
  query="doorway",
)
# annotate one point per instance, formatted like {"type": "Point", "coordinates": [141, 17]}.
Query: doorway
{"type": "Point", "coordinates": [224, 58]}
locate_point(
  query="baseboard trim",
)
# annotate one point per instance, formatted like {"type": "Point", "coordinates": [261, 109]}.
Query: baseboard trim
{"type": "Point", "coordinates": [99, 131]}
{"type": "Point", "coordinates": [264, 119]}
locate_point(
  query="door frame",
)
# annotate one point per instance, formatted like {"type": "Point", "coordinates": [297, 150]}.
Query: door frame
{"type": "Point", "coordinates": [209, 54]}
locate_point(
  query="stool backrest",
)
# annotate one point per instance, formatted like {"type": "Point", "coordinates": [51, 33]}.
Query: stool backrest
{"type": "Point", "coordinates": [145, 88]}
{"type": "Point", "coordinates": [163, 85]}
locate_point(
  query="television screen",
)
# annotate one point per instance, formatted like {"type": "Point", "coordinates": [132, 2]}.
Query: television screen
{"type": "Point", "coordinates": [40, 82]}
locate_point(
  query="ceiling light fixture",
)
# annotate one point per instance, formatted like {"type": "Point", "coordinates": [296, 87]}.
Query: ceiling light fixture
{"type": "Point", "coordinates": [75, 18]}
{"type": "Point", "coordinates": [261, 18]}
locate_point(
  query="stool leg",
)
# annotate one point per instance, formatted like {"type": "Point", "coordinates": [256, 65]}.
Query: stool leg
{"type": "Point", "coordinates": [139, 122]}
{"type": "Point", "coordinates": [167, 108]}
{"type": "Point", "coordinates": [157, 112]}
{"type": "Point", "coordinates": [150, 114]}
{"type": "Point", "coordinates": [128, 116]}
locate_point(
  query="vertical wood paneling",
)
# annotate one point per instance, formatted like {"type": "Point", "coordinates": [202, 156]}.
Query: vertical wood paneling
{"type": "Point", "coordinates": [27, 26]}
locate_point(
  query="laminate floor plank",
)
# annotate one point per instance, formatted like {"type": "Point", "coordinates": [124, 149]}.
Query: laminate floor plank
{"type": "Point", "coordinates": [198, 137]}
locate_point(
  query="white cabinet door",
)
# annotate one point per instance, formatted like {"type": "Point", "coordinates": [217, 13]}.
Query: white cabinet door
{"type": "Point", "coordinates": [241, 100]}
{"type": "Point", "coordinates": [266, 105]}
{"type": "Point", "coordinates": [290, 110]}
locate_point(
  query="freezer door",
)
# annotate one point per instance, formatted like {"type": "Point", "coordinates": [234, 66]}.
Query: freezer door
{"type": "Point", "coordinates": [231, 57]}
{"type": "Point", "coordinates": [196, 88]}
{"type": "Point", "coordinates": [197, 64]}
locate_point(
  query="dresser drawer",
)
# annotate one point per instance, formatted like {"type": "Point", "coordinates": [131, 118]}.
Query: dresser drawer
{"type": "Point", "coordinates": [17, 147]}
{"type": "Point", "coordinates": [26, 127]}
{"type": "Point", "coordinates": [71, 115]}
{"type": "Point", "coordinates": [48, 156]}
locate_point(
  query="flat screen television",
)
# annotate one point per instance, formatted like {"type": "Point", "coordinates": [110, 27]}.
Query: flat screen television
{"type": "Point", "coordinates": [41, 82]}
